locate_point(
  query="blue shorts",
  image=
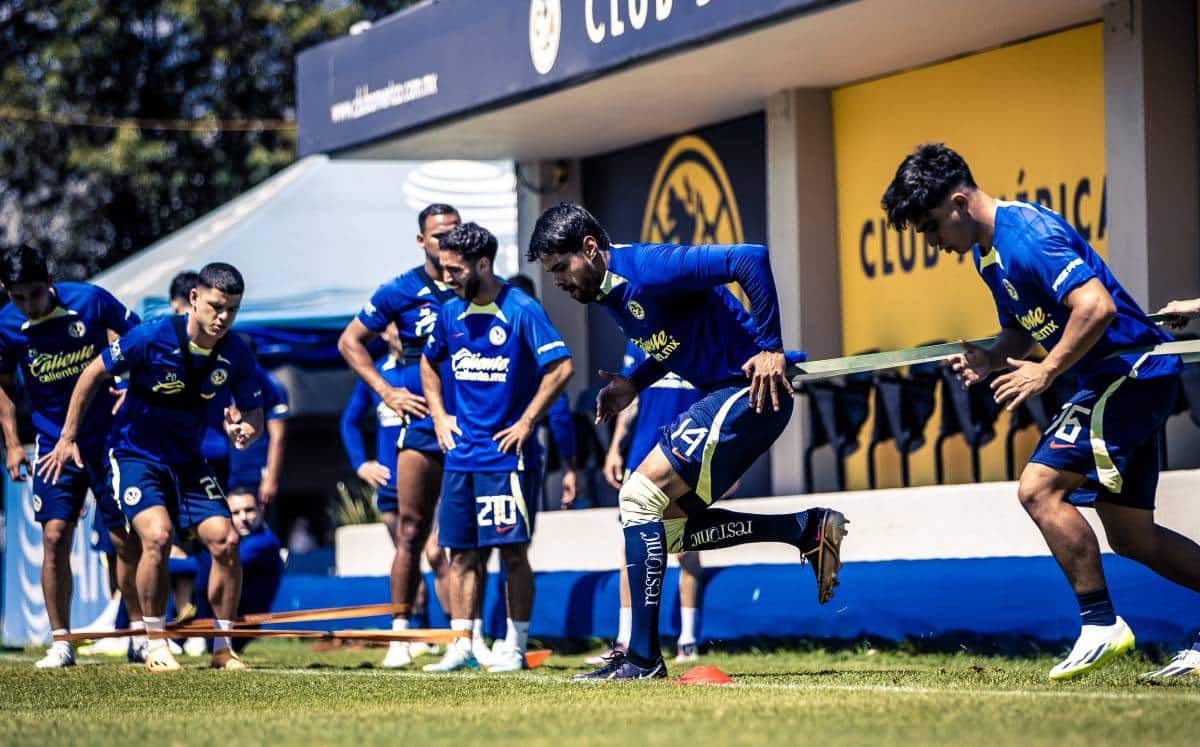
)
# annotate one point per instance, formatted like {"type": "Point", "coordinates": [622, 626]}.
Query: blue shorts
{"type": "Point", "coordinates": [1108, 432]}
{"type": "Point", "coordinates": [64, 500]}
{"type": "Point", "coordinates": [714, 442]}
{"type": "Point", "coordinates": [487, 509]}
{"type": "Point", "coordinates": [386, 500]}
{"type": "Point", "coordinates": [418, 435]}
{"type": "Point", "coordinates": [190, 492]}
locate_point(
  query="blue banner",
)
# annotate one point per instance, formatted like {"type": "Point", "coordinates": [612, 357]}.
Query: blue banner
{"type": "Point", "coordinates": [444, 59]}
{"type": "Point", "coordinates": [24, 612]}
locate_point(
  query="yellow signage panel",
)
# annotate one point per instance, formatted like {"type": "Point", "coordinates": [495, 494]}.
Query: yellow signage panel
{"type": "Point", "coordinates": [1029, 120]}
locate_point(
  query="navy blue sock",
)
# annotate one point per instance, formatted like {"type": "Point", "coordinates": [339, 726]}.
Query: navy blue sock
{"type": "Point", "coordinates": [122, 616]}
{"type": "Point", "coordinates": [715, 528]}
{"type": "Point", "coordinates": [646, 561]}
{"type": "Point", "coordinates": [1096, 608]}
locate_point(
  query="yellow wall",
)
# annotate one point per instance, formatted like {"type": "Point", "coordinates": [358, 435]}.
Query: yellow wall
{"type": "Point", "coordinates": [1029, 119]}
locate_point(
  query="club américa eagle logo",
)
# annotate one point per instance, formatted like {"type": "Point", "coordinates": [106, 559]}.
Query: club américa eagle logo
{"type": "Point", "coordinates": [545, 30]}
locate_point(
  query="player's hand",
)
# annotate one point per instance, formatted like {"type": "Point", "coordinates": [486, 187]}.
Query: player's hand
{"type": "Point", "coordinates": [766, 371]}
{"type": "Point", "coordinates": [616, 395]}
{"type": "Point", "coordinates": [614, 468]}
{"type": "Point", "coordinates": [374, 474]}
{"type": "Point", "coordinates": [446, 428]}
{"type": "Point", "coordinates": [65, 452]}
{"type": "Point", "coordinates": [15, 459]}
{"type": "Point", "coordinates": [405, 402]}
{"type": "Point", "coordinates": [267, 490]}
{"type": "Point", "coordinates": [514, 436]}
{"type": "Point", "coordinates": [569, 487]}
{"type": "Point", "coordinates": [118, 397]}
{"type": "Point", "coordinates": [239, 431]}
{"type": "Point", "coordinates": [972, 365]}
{"type": "Point", "coordinates": [1027, 379]}
{"type": "Point", "coordinates": [1181, 312]}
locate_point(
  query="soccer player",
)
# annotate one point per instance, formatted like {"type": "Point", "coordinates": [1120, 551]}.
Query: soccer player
{"type": "Point", "coordinates": [258, 553]}
{"type": "Point", "coordinates": [175, 367]}
{"type": "Point", "coordinates": [412, 301]}
{"type": "Point", "coordinates": [380, 474]}
{"type": "Point", "coordinates": [1050, 287]}
{"type": "Point", "coordinates": [671, 301]}
{"type": "Point", "coordinates": [52, 330]}
{"type": "Point", "coordinates": [509, 365]}
{"type": "Point", "coordinates": [639, 424]}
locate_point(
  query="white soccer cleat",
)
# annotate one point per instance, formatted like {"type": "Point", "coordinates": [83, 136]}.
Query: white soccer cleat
{"type": "Point", "coordinates": [398, 656]}
{"type": "Point", "coordinates": [1185, 662]}
{"type": "Point", "coordinates": [175, 648]}
{"type": "Point", "coordinates": [687, 652]}
{"type": "Point", "coordinates": [57, 657]}
{"type": "Point", "coordinates": [1097, 645]}
{"type": "Point", "coordinates": [507, 659]}
{"type": "Point", "coordinates": [418, 649]}
{"type": "Point", "coordinates": [454, 660]}
{"type": "Point", "coordinates": [106, 647]}
{"type": "Point", "coordinates": [195, 646]}
{"type": "Point", "coordinates": [161, 660]}
{"type": "Point", "coordinates": [482, 653]}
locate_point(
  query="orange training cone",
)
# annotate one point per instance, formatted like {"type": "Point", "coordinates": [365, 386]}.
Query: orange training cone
{"type": "Point", "coordinates": [705, 674]}
{"type": "Point", "coordinates": [536, 658]}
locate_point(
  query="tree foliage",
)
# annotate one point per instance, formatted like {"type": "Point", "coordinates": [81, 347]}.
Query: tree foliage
{"type": "Point", "coordinates": [93, 194]}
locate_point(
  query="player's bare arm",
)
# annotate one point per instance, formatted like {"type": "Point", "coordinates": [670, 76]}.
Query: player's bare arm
{"type": "Point", "coordinates": [14, 456]}
{"type": "Point", "coordinates": [243, 428]}
{"type": "Point", "coordinates": [66, 450]}
{"type": "Point", "coordinates": [558, 373]}
{"type": "Point", "coordinates": [443, 425]}
{"type": "Point", "coordinates": [614, 459]}
{"type": "Point", "coordinates": [618, 394]}
{"type": "Point", "coordinates": [976, 362]}
{"type": "Point", "coordinates": [1092, 310]}
{"type": "Point", "coordinates": [352, 344]}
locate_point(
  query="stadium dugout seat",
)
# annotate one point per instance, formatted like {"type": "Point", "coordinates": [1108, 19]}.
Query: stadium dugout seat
{"type": "Point", "coordinates": [837, 411]}
{"type": "Point", "coordinates": [970, 412]}
{"type": "Point", "coordinates": [903, 405]}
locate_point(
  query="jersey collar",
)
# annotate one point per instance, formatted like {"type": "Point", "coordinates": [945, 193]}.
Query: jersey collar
{"type": "Point", "coordinates": [491, 309]}
{"type": "Point", "coordinates": [611, 281]}
{"type": "Point", "coordinates": [57, 312]}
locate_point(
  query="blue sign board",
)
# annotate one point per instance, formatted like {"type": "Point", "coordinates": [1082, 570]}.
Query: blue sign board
{"type": "Point", "coordinates": [445, 59]}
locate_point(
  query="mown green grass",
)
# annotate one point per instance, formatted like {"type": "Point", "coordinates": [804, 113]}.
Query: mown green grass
{"type": "Point", "coordinates": [296, 697]}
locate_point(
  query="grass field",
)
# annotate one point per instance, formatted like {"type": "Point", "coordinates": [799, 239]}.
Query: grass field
{"type": "Point", "coordinates": [294, 696]}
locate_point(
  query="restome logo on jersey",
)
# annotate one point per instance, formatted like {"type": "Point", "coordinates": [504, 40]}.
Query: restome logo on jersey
{"type": "Point", "coordinates": [470, 366]}
{"type": "Point", "coordinates": [50, 367]}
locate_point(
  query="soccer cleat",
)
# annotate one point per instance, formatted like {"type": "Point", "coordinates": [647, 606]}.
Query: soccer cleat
{"type": "Point", "coordinates": [483, 654]}
{"type": "Point", "coordinates": [186, 615]}
{"type": "Point", "coordinates": [598, 659]}
{"type": "Point", "coordinates": [227, 660]}
{"type": "Point", "coordinates": [455, 659]}
{"type": "Point", "coordinates": [687, 652]}
{"type": "Point", "coordinates": [137, 654]}
{"type": "Point", "coordinates": [398, 656]}
{"type": "Point", "coordinates": [195, 646]}
{"type": "Point", "coordinates": [826, 553]}
{"type": "Point", "coordinates": [423, 649]}
{"type": "Point", "coordinates": [57, 657]}
{"type": "Point", "coordinates": [1185, 662]}
{"type": "Point", "coordinates": [1097, 645]}
{"type": "Point", "coordinates": [160, 659]}
{"type": "Point", "coordinates": [621, 667]}
{"type": "Point", "coordinates": [507, 659]}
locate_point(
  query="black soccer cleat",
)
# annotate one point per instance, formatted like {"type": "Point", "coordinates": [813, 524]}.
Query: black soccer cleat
{"type": "Point", "coordinates": [621, 667]}
{"type": "Point", "coordinates": [826, 552]}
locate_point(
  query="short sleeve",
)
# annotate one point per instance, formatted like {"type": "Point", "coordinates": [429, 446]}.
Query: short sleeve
{"type": "Point", "coordinates": [113, 313]}
{"type": "Point", "coordinates": [435, 344]}
{"type": "Point", "coordinates": [275, 397]}
{"type": "Point", "coordinates": [541, 336]}
{"type": "Point", "coordinates": [126, 353]}
{"type": "Point", "coordinates": [1054, 263]}
{"type": "Point", "coordinates": [247, 385]}
{"type": "Point", "coordinates": [378, 311]}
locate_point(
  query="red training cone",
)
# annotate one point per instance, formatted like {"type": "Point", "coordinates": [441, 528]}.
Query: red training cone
{"type": "Point", "coordinates": [705, 674]}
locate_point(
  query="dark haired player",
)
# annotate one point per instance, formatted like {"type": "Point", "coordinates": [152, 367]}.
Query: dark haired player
{"type": "Point", "coordinates": [411, 301]}
{"type": "Point", "coordinates": [52, 331]}
{"type": "Point", "coordinates": [1050, 287]}
{"type": "Point", "coordinates": [175, 367]}
{"type": "Point", "coordinates": [671, 301]}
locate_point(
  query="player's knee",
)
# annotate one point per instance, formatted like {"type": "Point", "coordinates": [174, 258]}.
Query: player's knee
{"type": "Point", "coordinates": [225, 549]}
{"type": "Point", "coordinates": [1033, 495]}
{"type": "Point", "coordinates": [641, 501]}
{"type": "Point", "coordinates": [515, 557]}
{"type": "Point", "coordinates": [55, 536]}
{"type": "Point", "coordinates": [410, 531]}
{"type": "Point", "coordinates": [156, 539]}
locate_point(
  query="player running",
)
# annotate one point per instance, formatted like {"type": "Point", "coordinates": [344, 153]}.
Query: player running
{"type": "Point", "coordinates": [52, 331]}
{"type": "Point", "coordinates": [509, 365]}
{"type": "Point", "coordinates": [671, 301]}
{"type": "Point", "coordinates": [175, 367]}
{"type": "Point", "coordinates": [1050, 287]}
{"type": "Point", "coordinates": [412, 301]}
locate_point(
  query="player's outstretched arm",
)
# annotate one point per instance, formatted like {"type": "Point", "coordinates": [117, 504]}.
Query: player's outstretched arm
{"type": "Point", "coordinates": [975, 362]}
{"type": "Point", "coordinates": [1181, 312]}
{"type": "Point", "coordinates": [15, 456]}
{"type": "Point", "coordinates": [554, 380]}
{"type": "Point", "coordinates": [66, 450]}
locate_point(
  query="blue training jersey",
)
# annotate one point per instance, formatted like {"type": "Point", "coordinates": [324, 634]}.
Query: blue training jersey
{"type": "Point", "coordinates": [413, 301]}
{"type": "Point", "coordinates": [54, 350]}
{"type": "Point", "coordinates": [1036, 260]}
{"type": "Point", "coordinates": [498, 354]}
{"type": "Point", "coordinates": [166, 411]}
{"type": "Point", "coordinates": [387, 423]}
{"type": "Point", "coordinates": [658, 404]}
{"type": "Point", "coordinates": [671, 301]}
{"type": "Point", "coordinates": [246, 465]}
